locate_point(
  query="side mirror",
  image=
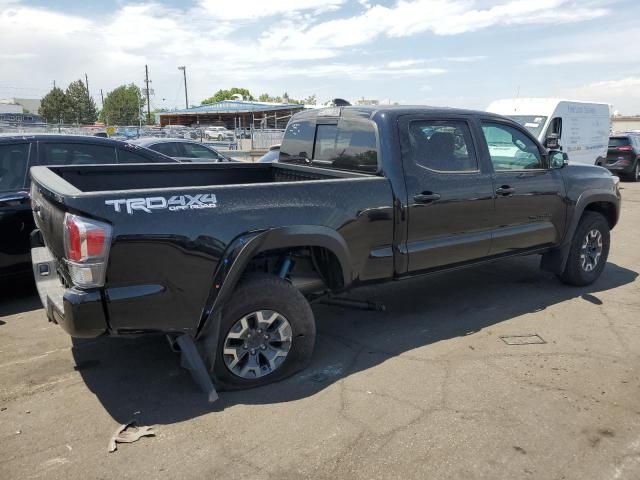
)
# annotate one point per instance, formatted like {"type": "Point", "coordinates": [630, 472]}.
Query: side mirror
{"type": "Point", "coordinates": [552, 142]}
{"type": "Point", "coordinates": [558, 159]}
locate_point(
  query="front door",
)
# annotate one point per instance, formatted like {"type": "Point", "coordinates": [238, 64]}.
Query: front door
{"type": "Point", "coordinates": [529, 209]}
{"type": "Point", "coordinates": [450, 193]}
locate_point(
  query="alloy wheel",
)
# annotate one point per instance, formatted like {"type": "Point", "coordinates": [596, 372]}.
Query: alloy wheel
{"type": "Point", "coordinates": [591, 250]}
{"type": "Point", "coordinates": [257, 344]}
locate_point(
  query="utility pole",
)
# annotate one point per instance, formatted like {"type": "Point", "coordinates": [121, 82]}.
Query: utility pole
{"type": "Point", "coordinates": [102, 97]}
{"type": "Point", "coordinates": [86, 82]}
{"type": "Point", "coordinates": [186, 97]}
{"type": "Point", "coordinates": [146, 81]}
{"type": "Point", "coordinates": [54, 84]}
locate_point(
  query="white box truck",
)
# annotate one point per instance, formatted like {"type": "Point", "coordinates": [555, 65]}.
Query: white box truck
{"type": "Point", "coordinates": [580, 128]}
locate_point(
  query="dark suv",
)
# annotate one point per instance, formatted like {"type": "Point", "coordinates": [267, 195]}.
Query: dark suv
{"type": "Point", "coordinates": [623, 156]}
{"type": "Point", "coordinates": [17, 154]}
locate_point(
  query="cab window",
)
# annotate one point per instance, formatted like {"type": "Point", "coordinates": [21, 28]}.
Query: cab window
{"type": "Point", "coordinates": [126, 156]}
{"type": "Point", "coordinates": [169, 148]}
{"type": "Point", "coordinates": [14, 159]}
{"type": "Point", "coordinates": [511, 149]}
{"type": "Point", "coordinates": [297, 143]}
{"type": "Point", "coordinates": [442, 145]}
{"type": "Point", "coordinates": [193, 150]}
{"type": "Point", "coordinates": [350, 145]}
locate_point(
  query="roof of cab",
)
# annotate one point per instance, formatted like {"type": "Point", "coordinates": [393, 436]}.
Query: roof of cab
{"type": "Point", "coordinates": [370, 111]}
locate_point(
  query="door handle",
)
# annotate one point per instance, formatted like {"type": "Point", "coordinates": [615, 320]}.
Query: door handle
{"type": "Point", "coordinates": [505, 190]}
{"type": "Point", "coordinates": [426, 197]}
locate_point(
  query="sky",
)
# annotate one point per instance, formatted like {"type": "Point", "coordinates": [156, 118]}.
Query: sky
{"type": "Point", "coordinates": [458, 53]}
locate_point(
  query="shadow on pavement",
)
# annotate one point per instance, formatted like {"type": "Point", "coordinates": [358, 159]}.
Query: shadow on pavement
{"type": "Point", "coordinates": [18, 296]}
{"type": "Point", "coordinates": [142, 375]}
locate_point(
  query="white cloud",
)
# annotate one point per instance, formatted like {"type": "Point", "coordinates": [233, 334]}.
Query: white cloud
{"type": "Point", "coordinates": [577, 57]}
{"type": "Point", "coordinates": [253, 9]}
{"type": "Point", "coordinates": [404, 63]}
{"type": "Point", "coordinates": [468, 59]}
{"type": "Point", "coordinates": [621, 84]}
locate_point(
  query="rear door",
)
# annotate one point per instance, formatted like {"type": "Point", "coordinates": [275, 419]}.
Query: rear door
{"type": "Point", "coordinates": [16, 219]}
{"type": "Point", "coordinates": [529, 207]}
{"type": "Point", "coordinates": [450, 192]}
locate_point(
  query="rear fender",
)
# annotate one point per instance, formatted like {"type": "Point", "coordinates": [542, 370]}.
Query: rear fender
{"type": "Point", "coordinates": [245, 247]}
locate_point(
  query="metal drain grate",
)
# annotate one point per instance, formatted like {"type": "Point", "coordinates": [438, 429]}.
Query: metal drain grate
{"type": "Point", "coordinates": [533, 339]}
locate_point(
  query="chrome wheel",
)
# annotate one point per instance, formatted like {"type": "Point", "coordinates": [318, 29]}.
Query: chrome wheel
{"type": "Point", "coordinates": [591, 250]}
{"type": "Point", "coordinates": [257, 344]}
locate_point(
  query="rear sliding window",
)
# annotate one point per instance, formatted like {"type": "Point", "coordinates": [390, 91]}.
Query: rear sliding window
{"type": "Point", "coordinates": [13, 166]}
{"type": "Point", "coordinates": [347, 145]}
{"type": "Point", "coordinates": [350, 145]}
{"type": "Point", "coordinates": [619, 142]}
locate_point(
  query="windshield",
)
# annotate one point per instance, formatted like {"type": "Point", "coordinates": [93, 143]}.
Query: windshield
{"type": "Point", "coordinates": [533, 123]}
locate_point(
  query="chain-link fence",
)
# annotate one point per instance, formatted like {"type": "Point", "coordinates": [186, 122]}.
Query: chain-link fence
{"type": "Point", "coordinates": [253, 139]}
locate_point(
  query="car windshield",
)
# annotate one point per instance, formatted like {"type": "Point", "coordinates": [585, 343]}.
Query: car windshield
{"type": "Point", "coordinates": [533, 123]}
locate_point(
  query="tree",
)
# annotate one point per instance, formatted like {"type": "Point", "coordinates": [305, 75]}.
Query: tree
{"type": "Point", "coordinates": [53, 105]}
{"type": "Point", "coordinates": [123, 106]}
{"type": "Point", "coordinates": [221, 95]}
{"type": "Point", "coordinates": [80, 107]}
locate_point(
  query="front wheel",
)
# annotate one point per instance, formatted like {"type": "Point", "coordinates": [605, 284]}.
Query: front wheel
{"type": "Point", "coordinates": [267, 333]}
{"type": "Point", "coordinates": [589, 250]}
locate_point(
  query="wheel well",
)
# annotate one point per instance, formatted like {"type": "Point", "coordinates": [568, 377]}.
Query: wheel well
{"type": "Point", "coordinates": [606, 209]}
{"type": "Point", "coordinates": [312, 268]}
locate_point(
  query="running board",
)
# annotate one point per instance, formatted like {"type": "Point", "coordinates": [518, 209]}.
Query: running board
{"type": "Point", "coordinates": [191, 360]}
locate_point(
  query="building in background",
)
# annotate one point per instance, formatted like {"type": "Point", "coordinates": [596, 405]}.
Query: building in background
{"type": "Point", "coordinates": [625, 123]}
{"type": "Point", "coordinates": [233, 114]}
{"type": "Point", "coordinates": [20, 105]}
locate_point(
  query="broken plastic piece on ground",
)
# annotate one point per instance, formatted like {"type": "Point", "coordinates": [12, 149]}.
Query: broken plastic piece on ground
{"type": "Point", "coordinates": [124, 435]}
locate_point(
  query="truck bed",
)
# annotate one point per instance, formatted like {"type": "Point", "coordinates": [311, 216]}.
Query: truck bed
{"type": "Point", "coordinates": [104, 178]}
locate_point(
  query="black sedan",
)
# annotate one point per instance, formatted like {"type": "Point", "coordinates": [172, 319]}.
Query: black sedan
{"type": "Point", "coordinates": [17, 154]}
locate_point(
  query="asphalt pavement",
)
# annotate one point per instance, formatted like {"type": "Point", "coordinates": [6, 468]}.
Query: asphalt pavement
{"type": "Point", "coordinates": [496, 372]}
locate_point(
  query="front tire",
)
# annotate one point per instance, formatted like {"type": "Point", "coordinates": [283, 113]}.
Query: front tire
{"type": "Point", "coordinates": [635, 175]}
{"type": "Point", "coordinates": [267, 333]}
{"type": "Point", "coordinates": [589, 250]}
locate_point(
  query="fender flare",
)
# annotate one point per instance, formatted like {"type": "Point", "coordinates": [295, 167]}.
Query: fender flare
{"type": "Point", "coordinates": [555, 260]}
{"type": "Point", "coordinates": [245, 247]}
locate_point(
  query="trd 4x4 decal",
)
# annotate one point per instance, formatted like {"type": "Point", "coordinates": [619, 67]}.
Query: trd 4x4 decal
{"type": "Point", "coordinates": [175, 203]}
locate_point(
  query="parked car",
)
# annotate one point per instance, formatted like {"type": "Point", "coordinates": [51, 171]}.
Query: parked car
{"type": "Point", "coordinates": [623, 155]}
{"type": "Point", "coordinates": [580, 129]}
{"type": "Point", "coordinates": [218, 133]}
{"type": "Point", "coordinates": [17, 154]}
{"type": "Point", "coordinates": [271, 156]}
{"type": "Point", "coordinates": [225, 258]}
{"type": "Point", "coordinates": [182, 150]}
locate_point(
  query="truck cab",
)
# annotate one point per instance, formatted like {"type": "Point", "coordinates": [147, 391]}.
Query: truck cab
{"type": "Point", "coordinates": [580, 129]}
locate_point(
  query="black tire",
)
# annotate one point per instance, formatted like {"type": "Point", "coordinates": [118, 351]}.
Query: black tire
{"type": "Point", "coordinates": [262, 293]}
{"type": "Point", "coordinates": [575, 272]}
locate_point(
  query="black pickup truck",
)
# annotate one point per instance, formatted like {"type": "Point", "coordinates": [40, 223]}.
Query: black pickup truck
{"type": "Point", "coordinates": [230, 255]}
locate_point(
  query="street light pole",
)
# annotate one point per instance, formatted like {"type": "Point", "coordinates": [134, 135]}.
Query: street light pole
{"type": "Point", "coordinates": [186, 97]}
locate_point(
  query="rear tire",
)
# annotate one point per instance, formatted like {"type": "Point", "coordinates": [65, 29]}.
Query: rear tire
{"type": "Point", "coordinates": [589, 250]}
{"type": "Point", "coordinates": [267, 333]}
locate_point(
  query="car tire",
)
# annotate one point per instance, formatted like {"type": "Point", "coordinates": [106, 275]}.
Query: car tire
{"type": "Point", "coordinates": [220, 138]}
{"type": "Point", "coordinates": [589, 250]}
{"type": "Point", "coordinates": [243, 358]}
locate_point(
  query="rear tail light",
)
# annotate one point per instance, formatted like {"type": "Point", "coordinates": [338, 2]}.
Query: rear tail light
{"type": "Point", "coordinates": [625, 149]}
{"type": "Point", "coordinates": [86, 244]}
